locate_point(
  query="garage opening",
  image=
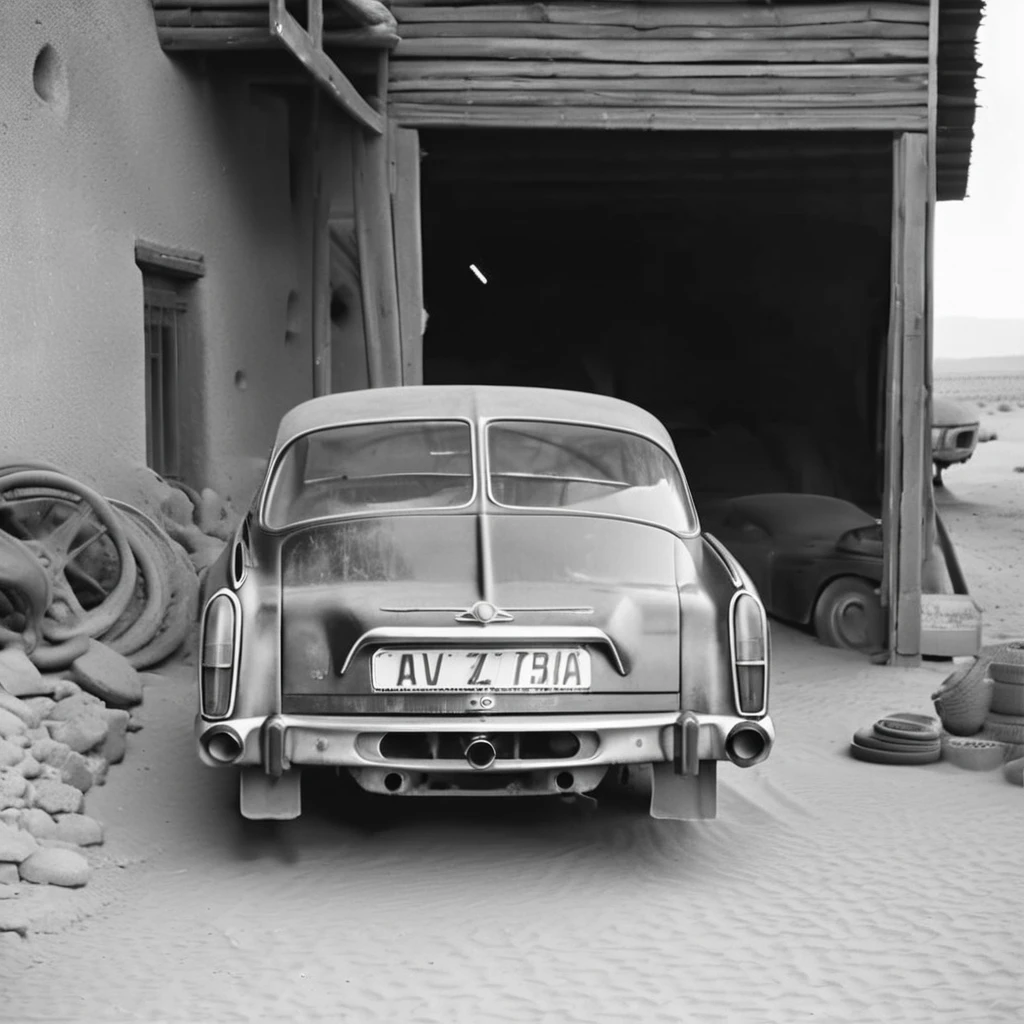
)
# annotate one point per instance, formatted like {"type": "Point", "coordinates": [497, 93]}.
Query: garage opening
{"type": "Point", "coordinates": [737, 284]}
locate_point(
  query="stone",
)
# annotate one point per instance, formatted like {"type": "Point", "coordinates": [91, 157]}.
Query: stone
{"type": "Point", "coordinates": [13, 788]}
{"type": "Point", "coordinates": [30, 768]}
{"type": "Point", "coordinates": [15, 844]}
{"type": "Point", "coordinates": [18, 676]}
{"type": "Point", "coordinates": [58, 844]}
{"type": "Point", "coordinates": [9, 874]}
{"type": "Point", "coordinates": [75, 705]}
{"type": "Point", "coordinates": [11, 754]}
{"type": "Point", "coordinates": [11, 816]}
{"type": "Point", "coordinates": [41, 705]}
{"type": "Point", "coordinates": [178, 508]}
{"type": "Point", "coordinates": [82, 733]}
{"type": "Point", "coordinates": [215, 517]}
{"type": "Point", "coordinates": [64, 764]}
{"type": "Point", "coordinates": [55, 866]}
{"type": "Point", "coordinates": [108, 675]}
{"type": "Point", "coordinates": [98, 768]}
{"type": "Point", "coordinates": [79, 829]}
{"type": "Point", "coordinates": [135, 722]}
{"type": "Point", "coordinates": [65, 688]}
{"type": "Point", "coordinates": [57, 797]}
{"type": "Point", "coordinates": [10, 724]}
{"type": "Point", "coordinates": [38, 823]}
{"type": "Point", "coordinates": [13, 918]}
{"type": "Point", "coordinates": [21, 739]}
{"type": "Point", "coordinates": [114, 747]}
{"type": "Point", "coordinates": [18, 707]}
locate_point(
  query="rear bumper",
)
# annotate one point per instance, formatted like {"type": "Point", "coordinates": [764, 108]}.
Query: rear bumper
{"type": "Point", "coordinates": [278, 742]}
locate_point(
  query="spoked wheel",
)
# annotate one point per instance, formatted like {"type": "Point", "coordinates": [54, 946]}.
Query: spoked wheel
{"type": "Point", "coordinates": [64, 522]}
{"type": "Point", "coordinates": [849, 615]}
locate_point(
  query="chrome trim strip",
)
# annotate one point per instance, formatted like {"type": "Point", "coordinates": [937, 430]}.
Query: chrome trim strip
{"type": "Point", "coordinates": [726, 558]}
{"type": "Point", "coordinates": [765, 661]}
{"type": "Point", "coordinates": [411, 636]}
{"type": "Point", "coordinates": [486, 424]}
{"type": "Point", "coordinates": [344, 516]}
{"type": "Point", "coordinates": [573, 609]}
{"type": "Point", "coordinates": [236, 658]}
{"type": "Point", "coordinates": [326, 740]}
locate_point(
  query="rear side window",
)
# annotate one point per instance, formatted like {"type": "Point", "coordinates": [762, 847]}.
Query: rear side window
{"type": "Point", "coordinates": [372, 467]}
{"type": "Point", "coordinates": [582, 468]}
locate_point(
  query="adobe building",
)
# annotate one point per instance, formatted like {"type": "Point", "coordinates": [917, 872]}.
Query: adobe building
{"type": "Point", "coordinates": [720, 211]}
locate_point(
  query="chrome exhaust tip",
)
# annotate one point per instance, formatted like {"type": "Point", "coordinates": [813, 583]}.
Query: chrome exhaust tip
{"type": "Point", "coordinates": [747, 744]}
{"type": "Point", "coordinates": [480, 752]}
{"type": "Point", "coordinates": [222, 744]}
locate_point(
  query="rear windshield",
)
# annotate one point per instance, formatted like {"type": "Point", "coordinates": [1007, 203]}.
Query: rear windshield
{"type": "Point", "coordinates": [372, 467]}
{"type": "Point", "coordinates": [586, 469]}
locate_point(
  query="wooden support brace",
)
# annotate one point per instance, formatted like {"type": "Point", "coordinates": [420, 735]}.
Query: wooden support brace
{"type": "Point", "coordinates": [284, 27]}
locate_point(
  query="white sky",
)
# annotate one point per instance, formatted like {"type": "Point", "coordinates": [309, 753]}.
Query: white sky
{"type": "Point", "coordinates": [979, 242]}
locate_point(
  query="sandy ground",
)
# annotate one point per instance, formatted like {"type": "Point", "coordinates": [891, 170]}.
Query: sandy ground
{"type": "Point", "coordinates": [828, 890]}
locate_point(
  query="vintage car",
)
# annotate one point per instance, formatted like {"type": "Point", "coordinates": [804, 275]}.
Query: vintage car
{"type": "Point", "coordinates": [479, 591]}
{"type": "Point", "coordinates": [955, 435]}
{"type": "Point", "coordinates": [817, 561]}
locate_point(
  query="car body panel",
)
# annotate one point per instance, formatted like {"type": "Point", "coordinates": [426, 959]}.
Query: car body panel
{"type": "Point", "coordinates": [788, 545]}
{"type": "Point", "coordinates": [651, 605]}
{"type": "Point", "coordinates": [955, 432]}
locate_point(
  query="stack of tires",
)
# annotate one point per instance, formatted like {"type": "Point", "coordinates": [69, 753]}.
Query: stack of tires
{"type": "Point", "coordinates": [905, 739]}
{"type": "Point", "coordinates": [77, 567]}
{"type": "Point", "coordinates": [982, 710]}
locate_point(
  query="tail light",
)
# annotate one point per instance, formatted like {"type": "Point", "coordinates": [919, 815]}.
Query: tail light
{"type": "Point", "coordinates": [220, 650]}
{"type": "Point", "coordinates": [750, 641]}
{"type": "Point", "coordinates": [865, 540]}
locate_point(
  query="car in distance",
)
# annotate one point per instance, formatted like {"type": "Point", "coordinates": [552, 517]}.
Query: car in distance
{"type": "Point", "coordinates": [955, 435]}
{"type": "Point", "coordinates": [478, 591]}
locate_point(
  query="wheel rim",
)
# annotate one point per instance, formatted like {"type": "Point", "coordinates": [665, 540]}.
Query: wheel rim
{"type": "Point", "coordinates": [851, 622]}
{"type": "Point", "coordinates": [58, 547]}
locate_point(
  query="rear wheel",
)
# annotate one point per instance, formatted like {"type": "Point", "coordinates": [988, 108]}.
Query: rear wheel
{"type": "Point", "coordinates": [849, 614]}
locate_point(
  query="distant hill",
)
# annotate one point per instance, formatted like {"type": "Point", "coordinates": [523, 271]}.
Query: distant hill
{"type": "Point", "coordinates": [989, 366]}
{"type": "Point", "coordinates": [969, 339]}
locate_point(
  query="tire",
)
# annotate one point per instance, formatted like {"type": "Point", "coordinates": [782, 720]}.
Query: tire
{"type": "Point", "coordinates": [972, 754]}
{"type": "Point", "coordinates": [929, 721]}
{"type": "Point", "coordinates": [1006, 672]}
{"type": "Point", "coordinates": [141, 620]}
{"type": "Point", "coordinates": [906, 732]}
{"type": "Point", "coordinates": [869, 738]}
{"type": "Point", "coordinates": [848, 614]}
{"type": "Point", "coordinates": [926, 756]}
{"type": "Point", "coordinates": [1008, 699]}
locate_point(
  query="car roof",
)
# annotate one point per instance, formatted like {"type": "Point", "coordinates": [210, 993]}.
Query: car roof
{"type": "Point", "coordinates": [467, 401]}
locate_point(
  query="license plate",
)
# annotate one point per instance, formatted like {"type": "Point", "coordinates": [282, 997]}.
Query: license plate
{"type": "Point", "coordinates": [534, 670]}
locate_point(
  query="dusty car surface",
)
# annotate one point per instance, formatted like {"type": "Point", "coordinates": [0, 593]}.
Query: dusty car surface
{"type": "Point", "coordinates": [816, 560]}
{"type": "Point", "coordinates": [468, 590]}
{"type": "Point", "coordinates": [955, 431]}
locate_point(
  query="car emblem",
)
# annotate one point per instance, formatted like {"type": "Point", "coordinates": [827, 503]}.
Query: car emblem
{"type": "Point", "coordinates": [483, 612]}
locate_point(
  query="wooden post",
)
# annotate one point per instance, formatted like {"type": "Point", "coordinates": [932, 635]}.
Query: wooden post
{"type": "Point", "coordinates": [376, 240]}
{"type": "Point", "coordinates": [405, 210]}
{"type": "Point", "coordinates": [906, 455]}
{"type": "Point", "coordinates": [321, 267]}
{"type": "Point", "coordinates": [929, 334]}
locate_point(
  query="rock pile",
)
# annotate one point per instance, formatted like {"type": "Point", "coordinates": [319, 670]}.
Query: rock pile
{"type": "Point", "coordinates": [59, 734]}
{"type": "Point", "coordinates": [92, 589]}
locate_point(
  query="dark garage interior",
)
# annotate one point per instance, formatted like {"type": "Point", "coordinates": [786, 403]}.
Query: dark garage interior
{"type": "Point", "coordinates": [737, 284]}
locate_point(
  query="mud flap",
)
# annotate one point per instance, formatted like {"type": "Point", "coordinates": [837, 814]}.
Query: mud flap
{"type": "Point", "coordinates": [684, 797]}
{"type": "Point", "coordinates": [263, 796]}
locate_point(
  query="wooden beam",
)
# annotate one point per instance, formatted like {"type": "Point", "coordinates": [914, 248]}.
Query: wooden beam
{"type": "Point", "coordinates": [405, 211]}
{"type": "Point", "coordinates": [182, 263]}
{"type": "Point", "coordinates": [321, 266]}
{"type": "Point", "coordinates": [907, 467]}
{"type": "Point", "coordinates": [439, 115]}
{"type": "Point", "coordinates": [654, 14]}
{"type": "Point", "coordinates": [377, 270]}
{"type": "Point", "coordinates": [402, 68]}
{"type": "Point", "coordinates": [546, 30]}
{"type": "Point", "coordinates": [284, 26]}
{"type": "Point", "coordinates": [669, 51]}
{"type": "Point", "coordinates": [208, 39]}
